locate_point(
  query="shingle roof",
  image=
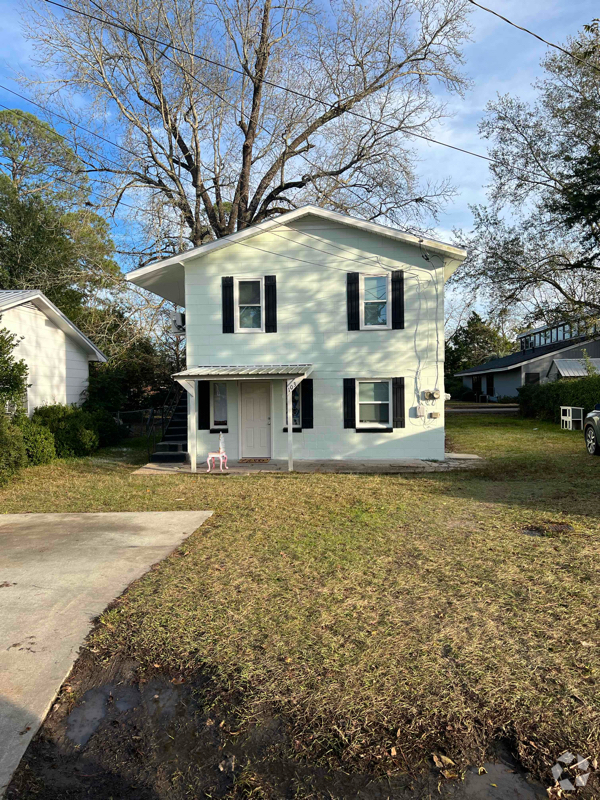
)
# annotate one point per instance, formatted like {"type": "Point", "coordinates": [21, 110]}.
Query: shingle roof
{"type": "Point", "coordinates": [514, 359]}
{"type": "Point", "coordinates": [9, 297]}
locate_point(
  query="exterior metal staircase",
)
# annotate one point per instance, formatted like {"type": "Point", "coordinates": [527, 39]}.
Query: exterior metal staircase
{"type": "Point", "coordinates": [167, 438]}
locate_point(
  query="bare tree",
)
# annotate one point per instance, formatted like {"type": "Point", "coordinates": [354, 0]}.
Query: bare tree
{"type": "Point", "coordinates": [192, 90]}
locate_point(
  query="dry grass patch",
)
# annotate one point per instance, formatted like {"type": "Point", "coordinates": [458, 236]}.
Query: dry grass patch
{"type": "Point", "coordinates": [379, 614]}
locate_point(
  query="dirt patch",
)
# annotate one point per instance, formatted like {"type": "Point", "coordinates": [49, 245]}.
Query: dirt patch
{"type": "Point", "coordinates": [114, 733]}
{"type": "Point", "coordinates": [549, 529]}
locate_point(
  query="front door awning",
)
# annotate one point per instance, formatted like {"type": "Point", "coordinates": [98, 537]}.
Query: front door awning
{"type": "Point", "coordinates": [231, 372]}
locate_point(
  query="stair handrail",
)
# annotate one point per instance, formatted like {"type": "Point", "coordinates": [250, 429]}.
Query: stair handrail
{"type": "Point", "coordinates": [166, 413]}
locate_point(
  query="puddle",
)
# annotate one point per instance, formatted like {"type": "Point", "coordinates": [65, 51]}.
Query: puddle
{"type": "Point", "coordinates": [500, 782]}
{"type": "Point", "coordinates": [146, 741]}
{"type": "Point", "coordinates": [84, 720]}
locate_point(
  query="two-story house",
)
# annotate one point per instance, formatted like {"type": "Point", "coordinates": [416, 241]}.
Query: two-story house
{"type": "Point", "coordinates": [313, 334]}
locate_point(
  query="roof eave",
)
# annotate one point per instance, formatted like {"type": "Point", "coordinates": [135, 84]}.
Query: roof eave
{"type": "Point", "coordinates": [455, 255]}
{"type": "Point", "coordinates": [47, 307]}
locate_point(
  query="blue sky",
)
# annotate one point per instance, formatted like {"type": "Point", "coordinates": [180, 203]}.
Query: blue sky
{"type": "Point", "coordinates": [500, 59]}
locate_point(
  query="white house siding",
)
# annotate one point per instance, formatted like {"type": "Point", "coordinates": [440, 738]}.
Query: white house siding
{"type": "Point", "coordinates": [312, 328]}
{"type": "Point", "coordinates": [58, 367]}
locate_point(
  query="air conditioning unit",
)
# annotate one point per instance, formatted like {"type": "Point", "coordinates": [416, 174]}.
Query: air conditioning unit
{"type": "Point", "coordinates": [178, 323]}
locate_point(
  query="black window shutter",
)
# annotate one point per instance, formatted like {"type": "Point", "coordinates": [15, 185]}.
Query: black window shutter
{"type": "Point", "coordinates": [398, 299]}
{"type": "Point", "coordinates": [227, 293]}
{"type": "Point", "coordinates": [352, 301]}
{"type": "Point", "coordinates": [306, 388]}
{"type": "Point", "coordinates": [349, 403]}
{"type": "Point", "coordinates": [270, 304]}
{"type": "Point", "coordinates": [398, 402]}
{"type": "Point", "coordinates": [203, 394]}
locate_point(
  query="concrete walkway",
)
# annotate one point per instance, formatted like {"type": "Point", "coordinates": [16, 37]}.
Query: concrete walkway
{"type": "Point", "coordinates": [374, 467]}
{"type": "Point", "coordinates": [57, 573]}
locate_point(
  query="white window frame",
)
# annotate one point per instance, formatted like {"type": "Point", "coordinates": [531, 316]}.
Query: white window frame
{"type": "Point", "coordinates": [212, 406]}
{"type": "Point", "coordinates": [285, 419]}
{"type": "Point", "coordinates": [361, 285]}
{"type": "Point", "coordinates": [382, 425]}
{"type": "Point", "coordinates": [236, 304]}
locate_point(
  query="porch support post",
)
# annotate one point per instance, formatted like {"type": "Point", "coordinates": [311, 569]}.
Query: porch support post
{"type": "Point", "coordinates": [192, 420]}
{"type": "Point", "coordinates": [290, 426]}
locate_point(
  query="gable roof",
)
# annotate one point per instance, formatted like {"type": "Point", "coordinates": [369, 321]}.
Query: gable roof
{"type": "Point", "coordinates": [172, 268]}
{"type": "Point", "coordinates": [523, 356]}
{"type": "Point", "coordinates": [12, 298]}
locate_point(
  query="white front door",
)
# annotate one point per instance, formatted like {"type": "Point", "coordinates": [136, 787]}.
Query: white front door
{"type": "Point", "coordinates": [256, 419]}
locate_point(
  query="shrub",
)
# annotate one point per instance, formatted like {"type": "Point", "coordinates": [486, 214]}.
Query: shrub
{"type": "Point", "coordinates": [543, 400]}
{"type": "Point", "coordinates": [74, 431]}
{"type": "Point", "coordinates": [12, 449]}
{"type": "Point", "coordinates": [38, 440]}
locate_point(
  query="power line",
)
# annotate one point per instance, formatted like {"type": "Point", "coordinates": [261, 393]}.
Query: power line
{"type": "Point", "coordinates": [208, 88]}
{"type": "Point", "coordinates": [296, 92]}
{"type": "Point", "coordinates": [66, 119]}
{"type": "Point", "coordinates": [536, 36]}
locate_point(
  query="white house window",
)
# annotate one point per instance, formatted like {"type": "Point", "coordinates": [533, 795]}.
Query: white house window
{"type": "Point", "coordinates": [218, 405]}
{"type": "Point", "coordinates": [249, 304]}
{"type": "Point", "coordinates": [373, 404]}
{"type": "Point", "coordinates": [296, 407]}
{"type": "Point", "coordinates": [375, 292]}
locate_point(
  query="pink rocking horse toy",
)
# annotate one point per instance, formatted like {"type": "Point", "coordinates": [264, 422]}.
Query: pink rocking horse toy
{"type": "Point", "coordinates": [220, 454]}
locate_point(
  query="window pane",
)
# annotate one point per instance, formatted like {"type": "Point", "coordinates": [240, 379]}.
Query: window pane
{"type": "Point", "coordinates": [375, 313]}
{"type": "Point", "coordinates": [373, 390]}
{"type": "Point", "coordinates": [374, 412]}
{"type": "Point", "coordinates": [376, 288]}
{"type": "Point", "coordinates": [220, 404]}
{"type": "Point", "coordinates": [249, 293]}
{"type": "Point", "coordinates": [250, 316]}
{"type": "Point", "coordinates": [295, 408]}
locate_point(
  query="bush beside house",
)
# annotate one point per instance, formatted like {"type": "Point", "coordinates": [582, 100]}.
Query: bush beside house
{"type": "Point", "coordinates": [13, 456]}
{"type": "Point", "coordinates": [38, 441]}
{"type": "Point", "coordinates": [543, 400]}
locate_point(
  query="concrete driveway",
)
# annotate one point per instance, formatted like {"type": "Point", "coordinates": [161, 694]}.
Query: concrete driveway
{"type": "Point", "coordinates": [57, 573]}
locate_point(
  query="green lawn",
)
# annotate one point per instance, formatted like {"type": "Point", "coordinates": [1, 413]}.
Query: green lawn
{"type": "Point", "coordinates": [385, 617]}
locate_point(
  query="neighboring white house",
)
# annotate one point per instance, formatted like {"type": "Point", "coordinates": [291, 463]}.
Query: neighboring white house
{"type": "Point", "coordinates": [56, 352]}
{"type": "Point", "coordinates": [350, 311]}
{"type": "Point", "coordinates": [539, 348]}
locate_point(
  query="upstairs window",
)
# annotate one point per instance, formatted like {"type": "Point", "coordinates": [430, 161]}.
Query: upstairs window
{"type": "Point", "coordinates": [375, 291]}
{"type": "Point", "coordinates": [249, 305]}
{"type": "Point", "coordinates": [373, 404]}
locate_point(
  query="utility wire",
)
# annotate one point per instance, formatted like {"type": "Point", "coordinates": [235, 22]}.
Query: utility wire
{"type": "Point", "coordinates": [205, 86]}
{"type": "Point", "coordinates": [66, 119]}
{"type": "Point", "coordinates": [333, 106]}
{"type": "Point", "coordinates": [536, 36]}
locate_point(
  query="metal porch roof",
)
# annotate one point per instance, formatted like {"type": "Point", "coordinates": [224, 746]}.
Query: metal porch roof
{"type": "Point", "coordinates": [243, 371]}
{"type": "Point", "coordinates": [573, 367]}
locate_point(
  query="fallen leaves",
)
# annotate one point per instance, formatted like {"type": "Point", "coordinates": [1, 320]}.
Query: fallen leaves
{"type": "Point", "coordinates": [446, 766]}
